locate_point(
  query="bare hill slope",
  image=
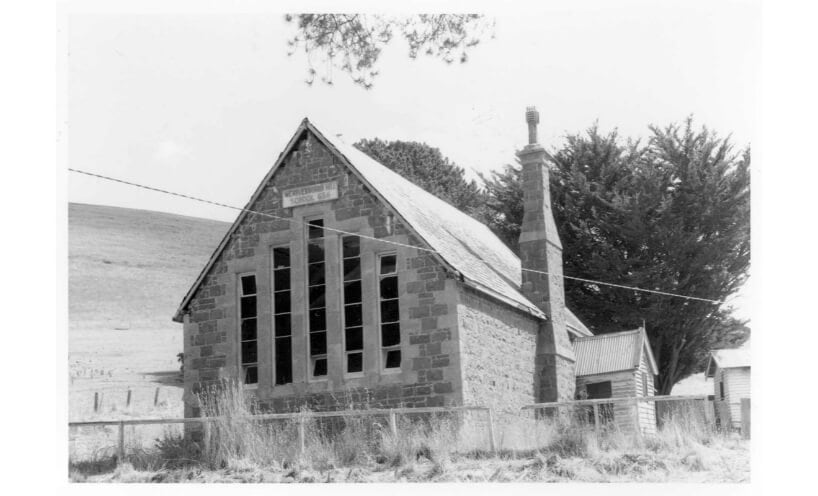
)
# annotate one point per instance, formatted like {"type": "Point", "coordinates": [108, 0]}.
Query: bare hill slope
{"type": "Point", "coordinates": [130, 268]}
{"type": "Point", "coordinates": [127, 271]}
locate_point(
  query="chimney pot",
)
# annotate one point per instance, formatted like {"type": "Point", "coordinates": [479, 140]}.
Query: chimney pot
{"type": "Point", "coordinates": [532, 117]}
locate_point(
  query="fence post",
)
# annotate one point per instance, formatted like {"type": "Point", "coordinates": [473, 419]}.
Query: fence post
{"type": "Point", "coordinates": [745, 418]}
{"type": "Point", "coordinates": [121, 457]}
{"type": "Point", "coordinates": [492, 440]}
{"type": "Point", "coordinates": [128, 400]}
{"type": "Point", "coordinates": [96, 401]}
{"type": "Point", "coordinates": [156, 397]}
{"type": "Point", "coordinates": [301, 440]}
{"type": "Point", "coordinates": [206, 437]}
{"type": "Point", "coordinates": [596, 419]}
{"type": "Point", "coordinates": [393, 423]}
{"type": "Point", "coordinates": [636, 420]}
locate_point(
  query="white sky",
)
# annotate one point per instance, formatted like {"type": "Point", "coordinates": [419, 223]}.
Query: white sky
{"type": "Point", "coordinates": [202, 103]}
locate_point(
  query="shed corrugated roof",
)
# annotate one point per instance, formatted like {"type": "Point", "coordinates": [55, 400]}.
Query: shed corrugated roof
{"type": "Point", "coordinates": [728, 359]}
{"type": "Point", "coordinates": [466, 244]}
{"type": "Point", "coordinates": [606, 353]}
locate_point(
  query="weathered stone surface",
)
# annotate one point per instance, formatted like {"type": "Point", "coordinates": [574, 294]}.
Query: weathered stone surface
{"type": "Point", "coordinates": [498, 346]}
{"type": "Point", "coordinates": [541, 250]}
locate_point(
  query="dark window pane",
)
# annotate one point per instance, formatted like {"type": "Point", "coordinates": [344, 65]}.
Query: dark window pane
{"type": "Point", "coordinates": [598, 390]}
{"type": "Point", "coordinates": [389, 287]}
{"type": "Point", "coordinates": [352, 269]}
{"type": "Point", "coordinates": [249, 352]}
{"type": "Point", "coordinates": [315, 252]}
{"type": "Point", "coordinates": [316, 274]}
{"type": "Point", "coordinates": [315, 228]}
{"type": "Point", "coordinates": [284, 361]}
{"type": "Point", "coordinates": [388, 264]}
{"type": "Point", "coordinates": [281, 279]}
{"type": "Point", "coordinates": [389, 311]}
{"type": "Point", "coordinates": [390, 334]}
{"type": "Point", "coordinates": [353, 315]}
{"type": "Point", "coordinates": [248, 285]}
{"type": "Point", "coordinates": [248, 306]}
{"type": "Point", "coordinates": [248, 329]}
{"type": "Point", "coordinates": [354, 339]}
{"type": "Point", "coordinates": [281, 257]}
{"type": "Point", "coordinates": [251, 375]}
{"type": "Point", "coordinates": [392, 359]}
{"type": "Point", "coordinates": [318, 343]}
{"type": "Point", "coordinates": [352, 292]}
{"type": "Point", "coordinates": [320, 368]}
{"type": "Point", "coordinates": [317, 299]}
{"type": "Point", "coordinates": [318, 319]}
{"type": "Point", "coordinates": [281, 301]}
{"type": "Point", "coordinates": [283, 324]}
{"type": "Point", "coordinates": [352, 246]}
{"type": "Point", "coordinates": [355, 362]}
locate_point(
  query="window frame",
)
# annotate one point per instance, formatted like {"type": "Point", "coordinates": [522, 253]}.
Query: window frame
{"type": "Point", "coordinates": [239, 295]}
{"type": "Point", "coordinates": [274, 313]}
{"type": "Point", "coordinates": [383, 350]}
{"type": "Point", "coordinates": [310, 361]}
{"type": "Point", "coordinates": [344, 304]}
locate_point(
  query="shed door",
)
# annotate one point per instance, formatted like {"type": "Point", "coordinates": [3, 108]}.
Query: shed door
{"type": "Point", "coordinates": [601, 390]}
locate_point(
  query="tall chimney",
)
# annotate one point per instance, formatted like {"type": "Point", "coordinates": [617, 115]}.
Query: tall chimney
{"type": "Point", "coordinates": [541, 250]}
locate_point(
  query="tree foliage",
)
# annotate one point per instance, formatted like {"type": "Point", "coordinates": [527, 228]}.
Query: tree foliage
{"type": "Point", "coordinates": [353, 42]}
{"type": "Point", "coordinates": [670, 215]}
{"type": "Point", "coordinates": [428, 168]}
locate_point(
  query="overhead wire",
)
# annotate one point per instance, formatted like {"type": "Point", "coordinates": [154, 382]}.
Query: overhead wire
{"type": "Point", "coordinates": [372, 238]}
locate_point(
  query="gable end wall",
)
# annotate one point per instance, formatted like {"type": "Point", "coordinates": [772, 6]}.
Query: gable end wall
{"type": "Point", "coordinates": [430, 371]}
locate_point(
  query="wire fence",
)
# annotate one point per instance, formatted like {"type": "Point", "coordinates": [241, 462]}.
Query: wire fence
{"type": "Point", "coordinates": [286, 436]}
{"type": "Point", "coordinates": [347, 434]}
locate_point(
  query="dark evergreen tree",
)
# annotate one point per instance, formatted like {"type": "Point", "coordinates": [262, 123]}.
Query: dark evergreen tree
{"type": "Point", "coordinates": [428, 168]}
{"type": "Point", "coordinates": [671, 215]}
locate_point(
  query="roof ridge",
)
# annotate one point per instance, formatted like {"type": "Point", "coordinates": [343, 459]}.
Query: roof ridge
{"type": "Point", "coordinates": [610, 334]}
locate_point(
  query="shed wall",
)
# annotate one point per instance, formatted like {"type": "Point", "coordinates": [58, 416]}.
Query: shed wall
{"type": "Point", "coordinates": [737, 384]}
{"type": "Point", "coordinates": [623, 385]}
{"type": "Point", "coordinates": [647, 409]}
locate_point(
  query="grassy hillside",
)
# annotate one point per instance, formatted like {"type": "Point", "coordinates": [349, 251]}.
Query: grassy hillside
{"type": "Point", "coordinates": [131, 268]}
{"type": "Point", "coordinates": [127, 272]}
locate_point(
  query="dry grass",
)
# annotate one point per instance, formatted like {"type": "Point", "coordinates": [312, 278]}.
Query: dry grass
{"type": "Point", "coordinates": [127, 270]}
{"type": "Point", "coordinates": [451, 447]}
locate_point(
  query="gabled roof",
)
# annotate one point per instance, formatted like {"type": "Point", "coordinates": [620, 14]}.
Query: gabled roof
{"type": "Point", "coordinates": [614, 352]}
{"type": "Point", "coordinates": [727, 359]}
{"type": "Point", "coordinates": [464, 244]}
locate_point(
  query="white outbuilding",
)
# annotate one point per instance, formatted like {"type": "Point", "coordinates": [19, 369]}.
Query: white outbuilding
{"type": "Point", "coordinates": [730, 370]}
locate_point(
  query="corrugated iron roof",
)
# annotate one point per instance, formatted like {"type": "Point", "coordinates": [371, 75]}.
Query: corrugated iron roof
{"type": "Point", "coordinates": [728, 359]}
{"type": "Point", "coordinates": [614, 352]}
{"type": "Point", "coordinates": [464, 243]}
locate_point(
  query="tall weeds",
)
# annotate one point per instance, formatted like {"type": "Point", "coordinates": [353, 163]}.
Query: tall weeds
{"type": "Point", "coordinates": [237, 439]}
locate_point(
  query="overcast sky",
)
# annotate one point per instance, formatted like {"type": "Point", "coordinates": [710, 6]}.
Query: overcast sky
{"type": "Point", "coordinates": [202, 103]}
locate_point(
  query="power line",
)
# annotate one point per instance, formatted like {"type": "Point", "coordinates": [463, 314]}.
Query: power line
{"type": "Point", "coordinates": [264, 214]}
{"type": "Point", "coordinates": [395, 243]}
{"type": "Point", "coordinates": [663, 293]}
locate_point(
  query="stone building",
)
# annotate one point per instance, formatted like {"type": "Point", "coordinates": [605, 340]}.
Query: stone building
{"type": "Point", "coordinates": [344, 282]}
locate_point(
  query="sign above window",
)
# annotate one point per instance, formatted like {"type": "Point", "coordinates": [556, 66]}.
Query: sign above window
{"type": "Point", "coordinates": [309, 194]}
